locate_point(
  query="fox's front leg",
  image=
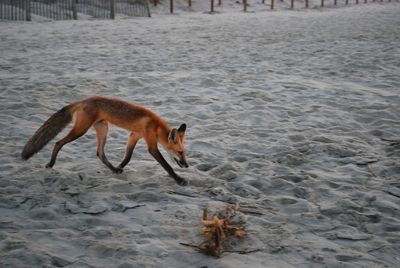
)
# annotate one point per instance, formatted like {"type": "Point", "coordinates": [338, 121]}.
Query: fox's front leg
{"type": "Point", "coordinates": [160, 159]}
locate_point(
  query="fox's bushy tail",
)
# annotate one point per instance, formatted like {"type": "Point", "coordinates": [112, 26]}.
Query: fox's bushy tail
{"type": "Point", "coordinates": [54, 125]}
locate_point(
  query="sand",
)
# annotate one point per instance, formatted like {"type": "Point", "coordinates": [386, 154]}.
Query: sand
{"type": "Point", "coordinates": [293, 114]}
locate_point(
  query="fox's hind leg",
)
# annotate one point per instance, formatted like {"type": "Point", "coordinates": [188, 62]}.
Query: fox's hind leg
{"type": "Point", "coordinates": [101, 132]}
{"type": "Point", "coordinates": [81, 126]}
{"type": "Point", "coordinates": [132, 140]}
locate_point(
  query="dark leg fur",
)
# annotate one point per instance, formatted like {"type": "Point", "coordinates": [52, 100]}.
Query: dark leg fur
{"type": "Point", "coordinates": [71, 136]}
{"type": "Point", "coordinates": [129, 150]}
{"type": "Point", "coordinates": [101, 132]}
{"type": "Point", "coordinates": [160, 159]}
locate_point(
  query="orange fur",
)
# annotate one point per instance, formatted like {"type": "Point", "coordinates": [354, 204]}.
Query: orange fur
{"type": "Point", "coordinates": [99, 112]}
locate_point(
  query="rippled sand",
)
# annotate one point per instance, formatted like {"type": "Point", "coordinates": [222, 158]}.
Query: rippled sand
{"type": "Point", "coordinates": [295, 115]}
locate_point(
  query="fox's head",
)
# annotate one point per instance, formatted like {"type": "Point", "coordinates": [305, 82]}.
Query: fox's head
{"type": "Point", "coordinates": [176, 146]}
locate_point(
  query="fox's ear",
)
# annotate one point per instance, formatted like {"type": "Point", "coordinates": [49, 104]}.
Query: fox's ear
{"type": "Point", "coordinates": [182, 128]}
{"type": "Point", "coordinates": [172, 137]}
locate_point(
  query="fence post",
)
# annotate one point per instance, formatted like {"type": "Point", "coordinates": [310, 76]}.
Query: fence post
{"type": "Point", "coordinates": [335, 2]}
{"type": "Point", "coordinates": [190, 3]}
{"type": "Point", "coordinates": [112, 9]}
{"type": "Point", "coordinates": [307, 4]}
{"type": "Point", "coordinates": [272, 4]}
{"type": "Point", "coordinates": [171, 6]}
{"type": "Point", "coordinates": [291, 4]}
{"type": "Point", "coordinates": [347, 2]}
{"type": "Point", "coordinates": [219, 2]}
{"type": "Point", "coordinates": [244, 5]}
{"type": "Point", "coordinates": [212, 6]}
{"type": "Point", "coordinates": [356, 2]}
{"type": "Point", "coordinates": [74, 11]}
{"type": "Point", "coordinates": [12, 11]}
{"type": "Point", "coordinates": [28, 10]}
{"type": "Point", "coordinates": [322, 3]}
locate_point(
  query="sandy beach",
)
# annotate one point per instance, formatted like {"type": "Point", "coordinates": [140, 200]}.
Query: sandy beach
{"type": "Point", "coordinates": [295, 115]}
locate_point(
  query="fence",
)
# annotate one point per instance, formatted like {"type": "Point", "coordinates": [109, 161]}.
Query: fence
{"type": "Point", "coordinates": [14, 10]}
{"type": "Point", "coordinates": [271, 3]}
{"type": "Point", "coordinates": [71, 9]}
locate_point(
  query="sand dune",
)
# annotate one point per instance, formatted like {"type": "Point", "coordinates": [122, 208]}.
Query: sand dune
{"type": "Point", "coordinates": [295, 115]}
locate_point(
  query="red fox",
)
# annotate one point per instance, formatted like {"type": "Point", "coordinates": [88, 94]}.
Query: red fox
{"type": "Point", "coordinates": [98, 112]}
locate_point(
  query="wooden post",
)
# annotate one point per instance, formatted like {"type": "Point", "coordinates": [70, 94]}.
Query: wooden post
{"type": "Point", "coordinates": [112, 9]}
{"type": "Point", "coordinates": [272, 4]}
{"type": "Point", "coordinates": [211, 6]}
{"type": "Point", "coordinates": [322, 3]}
{"type": "Point", "coordinates": [291, 4]}
{"type": "Point", "coordinates": [171, 6]}
{"type": "Point", "coordinates": [244, 5]}
{"type": "Point", "coordinates": [347, 2]}
{"type": "Point", "coordinates": [74, 11]}
{"type": "Point", "coordinates": [219, 2]}
{"type": "Point", "coordinates": [307, 4]}
{"type": "Point", "coordinates": [190, 3]}
{"type": "Point", "coordinates": [148, 10]}
{"type": "Point", "coordinates": [155, 2]}
{"type": "Point", "coordinates": [28, 10]}
{"type": "Point", "coordinates": [335, 2]}
{"type": "Point", "coordinates": [356, 2]}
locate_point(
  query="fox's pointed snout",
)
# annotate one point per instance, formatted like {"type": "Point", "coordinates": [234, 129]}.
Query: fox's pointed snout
{"type": "Point", "coordinates": [181, 163]}
{"type": "Point", "coordinates": [184, 164]}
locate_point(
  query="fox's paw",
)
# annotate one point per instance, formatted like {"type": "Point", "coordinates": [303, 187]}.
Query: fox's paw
{"type": "Point", "coordinates": [181, 181]}
{"type": "Point", "coordinates": [49, 165]}
{"type": "Point", "coordinates": [118, 170]}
